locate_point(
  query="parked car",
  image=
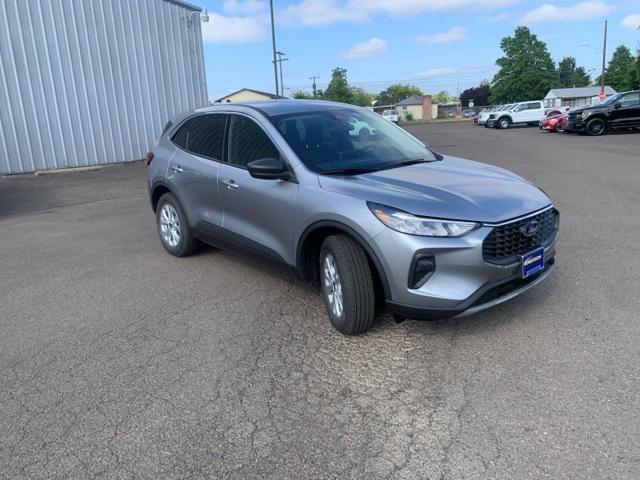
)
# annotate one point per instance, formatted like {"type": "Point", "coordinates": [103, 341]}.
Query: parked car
{"type": "Point", "coordinates": [618, 112]}
{"type": "Point", "coordinates": [529, 113]}
{"type": "Point", "coordinates": [390, 115]}
{"type": "Point", "coordinates": [551, 122]}
{"type": "Point", "coordinates": [385, 218]}
{"type": "Point", "coordinates": [484, 115]}
{"type": "Point", "coordinates": [468, 113]}
{"type": "Point", "coordinates": [361, 129]}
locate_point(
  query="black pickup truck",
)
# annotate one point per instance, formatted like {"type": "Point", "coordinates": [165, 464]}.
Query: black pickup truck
{"type": "Point", "coordinates": [621, 111]}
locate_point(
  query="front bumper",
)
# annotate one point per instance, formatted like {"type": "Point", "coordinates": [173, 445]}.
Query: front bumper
{"type": "Point", "coordinates": [463, 282]}
{"type": "Point", "coordinates": [576, 125]}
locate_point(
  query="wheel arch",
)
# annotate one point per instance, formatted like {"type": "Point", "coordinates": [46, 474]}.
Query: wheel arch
{"type": "Point", "coordinates": [308, 250]}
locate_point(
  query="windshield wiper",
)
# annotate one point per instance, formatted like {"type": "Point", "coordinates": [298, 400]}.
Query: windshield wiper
{"type": "Point", "coordinates": [413, 161]}
{"type": "Point", "coordinates": [350, 171]}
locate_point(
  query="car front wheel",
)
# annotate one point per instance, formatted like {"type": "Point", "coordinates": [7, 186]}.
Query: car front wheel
{"type": "Point", "coordinates": [504, 123]}
{"type": "Point", "coordinates": [595, 127]}
{"type": "Point", "coordinates": [347, 284]}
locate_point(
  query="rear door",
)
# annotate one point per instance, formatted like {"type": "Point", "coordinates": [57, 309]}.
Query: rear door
{"type": "Point", "coordinates": [255, 211]}
{"type": "Point", "coordinates": [534, 111]}
{"type": "Point", "coordinates": [194, 169]}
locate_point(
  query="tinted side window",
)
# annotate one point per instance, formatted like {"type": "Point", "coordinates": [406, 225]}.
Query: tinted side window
{"type": "Point", "coordinates": [202, 135]}
{"type": "Point", "coordinates": [534, 106]}
{"type": "Point", "coordinates": [633, 99]}
{"type": "Point", "coordinates": [180, 137]}
{"type": "Point", "coordinates": [248, 142]}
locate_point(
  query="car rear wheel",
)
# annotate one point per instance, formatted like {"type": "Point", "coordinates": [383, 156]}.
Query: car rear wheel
{"type": "Point", "coordinates": [504, 123]}
{"type": "Point", "coordinates": [347, 284]}
{"type": "Point", "coordinates": [174, 231]}
{"type": "Point", "coordinates": [595, 127]}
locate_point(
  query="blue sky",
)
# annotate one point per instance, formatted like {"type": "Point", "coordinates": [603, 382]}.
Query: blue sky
{"type": "Point", "coordinates": [434, 44]}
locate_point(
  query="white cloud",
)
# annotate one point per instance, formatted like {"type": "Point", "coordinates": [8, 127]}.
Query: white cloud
{"type": "Point", "coordinates": [456, 34]}
{"type": "Point", "coordinates": [631, 21]}
{"type": "Point", "coordinates": [320, 12]}
{"type": "Point", "coordinates": [246, 7]}
{"type": "Point", "coordinates": [366, 49]}
{"type": "Point", "coordinates": [221, 29]}
{"type": "Point", "coordinates": [500, 17]}
{"type": "Point", "coordinates": [325, 12]}
{"type": "Point", "coordinates": [436, 72]}
{"type": "Point", "coordinates": [576, 13]}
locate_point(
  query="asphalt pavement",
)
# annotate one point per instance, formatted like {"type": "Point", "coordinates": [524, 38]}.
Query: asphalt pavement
{"type": "Point", "coordinates": [118, 360]}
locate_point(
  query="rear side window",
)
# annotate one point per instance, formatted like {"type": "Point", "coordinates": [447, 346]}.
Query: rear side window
{"type": "Point", "coordinates": [534, 106]}
{"type": "Point", "coordinates": [202, 135]}
{"type": "Point", "coordinates": [248, 142]}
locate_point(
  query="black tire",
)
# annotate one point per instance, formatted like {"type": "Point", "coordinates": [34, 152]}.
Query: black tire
{"type": "Point", "coordinates": [356, 284]}
{"type": "Point", "coordinates": [503, 123]}
{"type": "Point", "coordinates": [595, 127]}
{"type": "Point", "coordinates": [187, 243]}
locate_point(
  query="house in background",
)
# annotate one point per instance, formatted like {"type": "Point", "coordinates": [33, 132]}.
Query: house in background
{"type": "Point", "coordinates": [416, 108]}
{"type": "Point", "coordinates": [247, 94]}
{"type": "Point", "coordinates": [575, 97]}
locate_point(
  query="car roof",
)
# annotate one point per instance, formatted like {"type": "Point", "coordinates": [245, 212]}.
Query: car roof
{"type": "Point", "coordinates": [275, 107]}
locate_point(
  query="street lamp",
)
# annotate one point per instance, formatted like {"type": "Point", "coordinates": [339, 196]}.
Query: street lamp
{"type": "Point", "coordinates": [273, 44]}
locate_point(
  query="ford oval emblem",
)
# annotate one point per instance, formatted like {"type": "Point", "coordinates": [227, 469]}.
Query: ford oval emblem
{"type": "Point", "coordinates": [531, 228]}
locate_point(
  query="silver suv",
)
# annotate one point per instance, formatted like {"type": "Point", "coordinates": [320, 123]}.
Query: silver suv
{"type": "Point", "coordinates": [372, 213]}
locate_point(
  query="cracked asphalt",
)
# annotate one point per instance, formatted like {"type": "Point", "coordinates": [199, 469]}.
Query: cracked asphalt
{"type": "Point", "coordinates": [119, 361]}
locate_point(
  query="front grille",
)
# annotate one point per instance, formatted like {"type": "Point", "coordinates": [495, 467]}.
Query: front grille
{"type": "Point", "coordinates": [507, 242]}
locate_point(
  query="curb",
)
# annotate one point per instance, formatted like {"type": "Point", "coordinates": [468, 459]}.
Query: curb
{"type": "Point", "coordinates": [58, 171]}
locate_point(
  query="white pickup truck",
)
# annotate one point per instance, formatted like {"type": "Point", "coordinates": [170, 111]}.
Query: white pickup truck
{"type": "Point", "coordinates": [390, 115]}
{"type": "Point", "coordinates": [524, 112]}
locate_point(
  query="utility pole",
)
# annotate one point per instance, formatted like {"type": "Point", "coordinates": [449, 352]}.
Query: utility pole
{"type": "Point", "coordinates": [603, 95]}
{"type": "Point", "coordinates": [280, 60]}
{"type": "Point", "coordinates": [273, 41]}
{"type": "Point", "coordinates": [315, 90]}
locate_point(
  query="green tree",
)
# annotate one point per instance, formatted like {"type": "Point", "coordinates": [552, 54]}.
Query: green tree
{"type": "Point", "coordinates": [633, 74]}
{"type": "Point", "coordinates": [361, 97]}
{"type": "Point", "coordinates": [441, 97]}
{"type": "Point", "coordinates": [396, 93]}
{"type": "Point", "coordinates": [616, 75]}
{"type": "Point", "coordinates": [527, 71]}
{"type": "Point", "coordinates": [571, 75]}
{"type": "Point", "coordinates": [338, 89]}
{"type": "Point", "coordinates": [302, 95]}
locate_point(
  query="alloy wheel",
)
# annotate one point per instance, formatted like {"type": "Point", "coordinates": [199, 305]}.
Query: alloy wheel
{"type": "Point", "coordinates": [332, 285]}
{"type": "Point", "coordinates": [170, 225]}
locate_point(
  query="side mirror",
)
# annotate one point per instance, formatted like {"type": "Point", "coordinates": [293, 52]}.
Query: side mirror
{"type": "Point", "coordinates": [617, 105]}
{"type": "Point", "coordinates": [268, 169]}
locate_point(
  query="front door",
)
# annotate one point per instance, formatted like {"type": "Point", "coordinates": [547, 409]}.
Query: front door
{"type": "Point", "coordinates": [255, 211]}
{"type": "Point", "coordinates": [628, 113]}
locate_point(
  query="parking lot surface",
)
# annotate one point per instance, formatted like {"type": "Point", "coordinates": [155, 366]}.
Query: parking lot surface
{"type": "Point", "coordinates": [120, 361]}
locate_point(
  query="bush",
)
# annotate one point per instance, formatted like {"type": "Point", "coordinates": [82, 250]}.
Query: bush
{"type": "Point", "coordinates": [408, 117]}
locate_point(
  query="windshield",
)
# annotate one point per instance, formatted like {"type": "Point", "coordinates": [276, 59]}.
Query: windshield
{"type": "Point", "coordinates": [343, 140]}
{"type": "Point", "coordinates": [611, 100]}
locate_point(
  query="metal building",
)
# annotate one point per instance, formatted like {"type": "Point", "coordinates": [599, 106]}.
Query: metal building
{"type": "Point", "coordinates": [85, 82]}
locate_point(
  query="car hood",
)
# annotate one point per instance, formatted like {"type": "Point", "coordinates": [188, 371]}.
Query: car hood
{"type": "Point", "coordinates": [591, 108]}
{"type": "Point", "coordinates": [452, 188]}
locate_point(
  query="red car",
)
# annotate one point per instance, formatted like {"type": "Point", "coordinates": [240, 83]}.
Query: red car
{"type": "Point", "coordinates": [552, 121]}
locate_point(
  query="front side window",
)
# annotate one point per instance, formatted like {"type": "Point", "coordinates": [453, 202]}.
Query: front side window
{"type": "Point", "coordinates": [630, 100]}
{"type": "Point", "coordinates": [334, 140]}
{"type": "Point", "coordinates": [248, 142]}
{"type": "Point", "coordinates": [202, 135]}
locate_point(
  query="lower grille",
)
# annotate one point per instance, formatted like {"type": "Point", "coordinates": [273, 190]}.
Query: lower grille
{"type": "Point", "coordinates": [506, 243]}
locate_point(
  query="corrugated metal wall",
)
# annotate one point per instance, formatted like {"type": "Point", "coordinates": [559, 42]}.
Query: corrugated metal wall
{"type": "Point", "coordinates": [85, 82]}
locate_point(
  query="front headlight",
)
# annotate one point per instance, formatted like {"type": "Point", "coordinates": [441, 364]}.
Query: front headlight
{"type": "Point", "coordinates": [405, 222]}
{"type": "Point", "coordinates": [584, 115]}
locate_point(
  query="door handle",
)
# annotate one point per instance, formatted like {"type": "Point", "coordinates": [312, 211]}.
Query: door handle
{"type": "Point", "coordinates": [177, 168]}
{"type": "Point", "coordinates": [231, 184]}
